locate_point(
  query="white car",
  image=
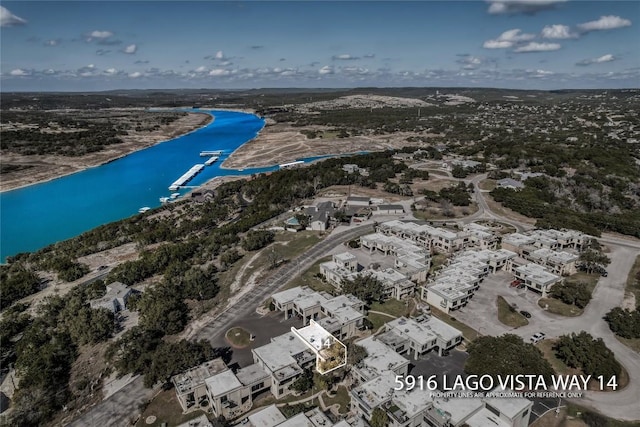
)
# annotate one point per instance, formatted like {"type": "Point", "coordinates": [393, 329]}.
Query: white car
{"type": "Point", "coordinates": [537, 337]}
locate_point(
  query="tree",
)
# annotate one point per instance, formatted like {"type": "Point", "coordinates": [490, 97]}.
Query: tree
{"type": "Point", "coordinates": [505, 355]}
{"type": "Point", "coordinates": [572, 293]}
{"type": "Point", "coordinates": [355, 353]}
{"type": "Point", "coordinates": [592, 259]}
{"type": "Point", "coordinates": [379, 418]}
{"type": "Point", "coordinates": [590, 355]}
{"type": "Point", "coordinates": [255, 240]}
{"type": "Point", "coordinates": [366, 287]}
{"type": "Point", "coordinates": [304, 382]}
{"type": "Point", "coordinates": [624, 323]}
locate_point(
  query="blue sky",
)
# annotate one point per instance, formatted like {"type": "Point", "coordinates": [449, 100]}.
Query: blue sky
{"type": "Point", "coordinates": [527, 44]}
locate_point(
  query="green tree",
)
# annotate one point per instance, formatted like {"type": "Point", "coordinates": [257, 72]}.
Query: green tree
{"type": "Point", "coordinates": [366, 287]}
{"type": "Point", "coordinates": [379, 418]}
{"type": "Point", "coordinates": [624, 323]}
{"type": "Point", "coordinates": [304, 382]}
{"type": "Point", "coordinates": [505, 355]}
{"type": "Point", "coordinates": [590, 355]}
{"type": "Point", "coordinates": [591, 259]}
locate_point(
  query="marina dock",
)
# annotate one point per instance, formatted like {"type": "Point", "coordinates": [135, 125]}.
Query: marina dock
{"type": "Point", "coordinates": [186, 177]}
{"type": "Point", "coordinates": [291, 164]}
{"type": "Point", "coordinates": [211, 161]}
{"type": "Point", "coordinates": [210, 153]}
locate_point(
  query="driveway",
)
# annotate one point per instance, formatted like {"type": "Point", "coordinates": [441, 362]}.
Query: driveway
{"type": "Point", "coordinates": [262, 327]}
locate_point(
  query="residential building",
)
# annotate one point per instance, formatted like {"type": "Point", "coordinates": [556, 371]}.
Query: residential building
{"type": "Point", "coordinates": [417, 408]}
{"type": "Point", "coordinates": [272, 417]}
{"type": "Point", "coordinates": [115, 299]}
{"type": "Point", "coordinates": [358, 201]}
{"type": "Point", "coordinates": [557, 262]}
{"type": "Point", "coordinates": [380, 358]}
{"type": "Point", "coordinates": [481, 236]}
{"type": "Point", "coordinates": [510, 183]}
{"type": "Point", "coordinates": [301, 301]}
{"type": "Point", "coordinates": [536, 277]}
{"type": "Point", "coordinates": [421, 335]}
{"type": "Point", "coordinates": [432, 238]}
{"type": "Point", "coordinates": [190, 386]}
{"type": "Point", "coordinates": [231, 394]}
{"type": "Point", "coordinates": [320, 215]}
{"type": "Point", "coordinates": [389, 210]}
{"type": "Point", "coordinates": [285, 358]}
{"type": "Point", "coordinates": [341, 315]}
{"type": "Point", "coordinates": [455, 284]}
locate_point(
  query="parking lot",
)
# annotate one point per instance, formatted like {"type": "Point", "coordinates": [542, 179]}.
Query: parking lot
{"type": "Point", "coordinates": [263, 328]}
{"type": "Point", "coordinates": [482, 312]}
{"type": "Point", "coordinates": [453, 365]}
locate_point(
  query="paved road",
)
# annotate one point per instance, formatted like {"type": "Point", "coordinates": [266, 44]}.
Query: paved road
{"type": "Point", "coordinates": [279, 279]}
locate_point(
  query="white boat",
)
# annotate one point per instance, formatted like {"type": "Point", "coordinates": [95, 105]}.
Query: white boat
{"type": "Point", "coordinates": [175, 195]}
{"type": "Point", "coordinates": [144, 209]}
{"type": "Point", "coordinates": [164, 199]}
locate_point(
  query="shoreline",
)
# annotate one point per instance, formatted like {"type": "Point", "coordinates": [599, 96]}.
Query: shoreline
{"type": "Point", "coordinates": [113, 159]}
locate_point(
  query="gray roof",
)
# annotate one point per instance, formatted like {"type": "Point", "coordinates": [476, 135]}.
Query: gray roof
{"type": "Point", "coordinates": [510, 182]}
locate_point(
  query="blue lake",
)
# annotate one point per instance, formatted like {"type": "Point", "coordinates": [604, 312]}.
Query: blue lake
{"type": "Point", "coordinates": [36, 216]}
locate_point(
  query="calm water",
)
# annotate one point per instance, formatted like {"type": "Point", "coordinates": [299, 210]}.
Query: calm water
{"type": "Point", "coordinates": [38, 215]}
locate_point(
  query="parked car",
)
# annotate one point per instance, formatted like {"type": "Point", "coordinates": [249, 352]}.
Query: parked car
{"type": "Point", "coordinates": [516, 283]}
{"type": "Point", "coordinates": [537, 337]}
{"type": "Point", "coordinates": [525, 314]}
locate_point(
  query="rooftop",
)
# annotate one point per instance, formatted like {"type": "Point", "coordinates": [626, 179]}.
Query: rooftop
{"type": "Point", "coordinates": [537, 274]}
{"type": "Point", "coordinates": [509, 407]}
{"type": "Point", "coordinates": [251, 374]}
{"type": "Point", "coordinates": [267, 417]}
{"type": "Point", "coordinates": [187, 381]}
{"type": "Point", "coordinates": [280, 351]}
{"type": "Point", "coordinates": [484, 418]}
{"type": "Point", "coordinates": [222, 383]}
{"type": "Point", "coordinates": [380, 357]}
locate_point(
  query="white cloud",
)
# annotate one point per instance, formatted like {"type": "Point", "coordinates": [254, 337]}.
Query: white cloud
{"type": "Point", "coordinates": [538, 47]}
{"type": "Point", "coordinates": [8, 19]}
{"type": "Point", "coordinates": [557, 31]}
{"type": "Point", "coordinates": [496, 44]}
{"type": "Point", "coordinates": [609, 22]}
{"type": "Point", "coordinates": [344, 57]}
{"type": "Point", "coordinates": [52, 42]}
{"type": "Point", "coordinates": [602, 59]}
{"type": "Point", "coordinates": [325, 70]}
{"type": "Point", "coordinates": [201, 69]}
{"type": "Point", "coordinates": [515, 35]}
{"type": "Point", "coordinates": [497, 7]}
{"type": "Point", "coordinates": [508, 39]}
{"type": "Point", "coordinates": [135, 74]}
{"type": "Point", "coordinates": [19, 72]}
{"type": "Point", "coordinates": [111, 71]}
{"type": "Point", "coordinates": [219, 55]}
{"type": "Point", "coordinates": [100, 34]}
{"type": "Point", "coordinates": [217, 72]}
{"type": "Point", "coordinates": [470, 62]}
{"type": "Point", "coordinates": [131, 49]}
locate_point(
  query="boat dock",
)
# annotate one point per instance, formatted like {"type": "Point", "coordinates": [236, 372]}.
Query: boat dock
{"type": "Point", "coordinates": [211, 161]}
{"type": "Point", "coordinates": [210, 153]}
{"type": "Point", "coordinates": [186, 177]}
{"type": "Point", "coordinates": [291, 164]}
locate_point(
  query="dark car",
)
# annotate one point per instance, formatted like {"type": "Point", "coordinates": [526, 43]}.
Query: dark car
{"type": "Point", "coordinates": [525, 314]}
